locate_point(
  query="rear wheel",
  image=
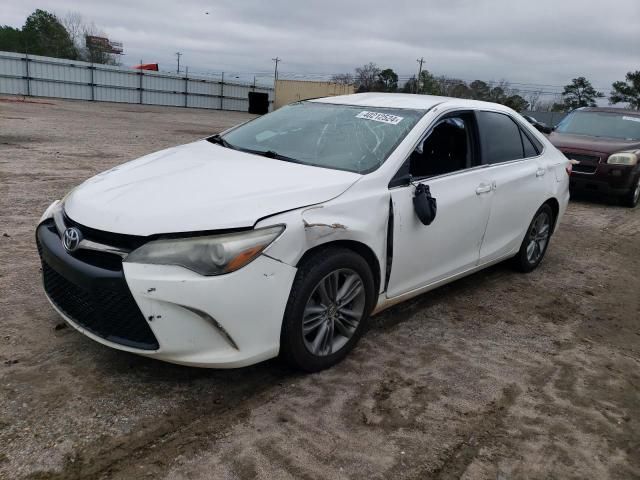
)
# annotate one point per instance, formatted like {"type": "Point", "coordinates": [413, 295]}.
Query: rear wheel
{"type": "Point", "coordinates": [330, 301]}
{"type": "Point", "coordinates": [536, 241]}
{"type": "Point", "coordinates": [632, 198]}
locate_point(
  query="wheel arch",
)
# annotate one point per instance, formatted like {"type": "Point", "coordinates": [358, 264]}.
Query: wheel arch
{"type": "Point", "coordinates": [555, 208]}
{"type": "Point", "coordinates": [362, 249]}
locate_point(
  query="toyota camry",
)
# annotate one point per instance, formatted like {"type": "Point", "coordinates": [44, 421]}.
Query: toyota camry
{"type": "Point", "coordinates": [283, 235]}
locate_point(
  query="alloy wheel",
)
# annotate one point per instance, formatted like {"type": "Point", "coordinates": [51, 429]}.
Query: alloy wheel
{"type": "Point", "coordinates": [333, 312]}
{"type": "Point", "coordinates": [538, 237]}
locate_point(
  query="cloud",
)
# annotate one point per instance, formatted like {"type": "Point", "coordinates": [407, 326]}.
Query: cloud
{"type": "Point", "coordinates": [542, 42]}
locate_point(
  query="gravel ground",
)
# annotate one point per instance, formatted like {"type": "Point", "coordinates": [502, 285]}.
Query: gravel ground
{"type": "Point", "coordinates": [497, 376]}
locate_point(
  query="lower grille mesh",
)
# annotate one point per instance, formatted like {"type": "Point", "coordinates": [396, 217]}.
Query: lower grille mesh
{"type": "Point", "coordinates": [109, 313]}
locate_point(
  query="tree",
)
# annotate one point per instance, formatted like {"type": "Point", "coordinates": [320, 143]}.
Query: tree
{"type": "Point", "coordinates": [580, 93]}
{"type": "Point", "coordinates": [429, 85]}
{"type": "Point", "coordinates": [479, 90]}
{"type": "Point", "coordinates": [501, 91]}
{"type": "Point", "coordinates": [459, 89]}
{"type": "Point", "coordinates": [627, 92]}
{"type": "Point", "coordinates": [43, 34]}
{"type": "Point", "coordinates": [387, 81]}
{"type": "Point", "coordinates": [75, 26]}
{"type": "Point", "coordinates": [11, 39]}
{"type": "Point", "coordinates": [534, 100]}
{"type": "Point", "coordinates": [452, 87]}
{"type": "Point", "coordinates": [410, 85]}
{"type": "Point", "coordinates": [516, 102]}
{"type": "Point", "coordinates": [342, 78]}
{"type": "Point", "coordinates": [78, 30]}
{"type": "Point", "coordinates": [366, 77]}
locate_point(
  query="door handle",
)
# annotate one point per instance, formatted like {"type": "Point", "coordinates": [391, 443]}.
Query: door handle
{"type": "Point", "coordinates": [540, 172]}
{"type": "Point", "coordinates": [483, 188]}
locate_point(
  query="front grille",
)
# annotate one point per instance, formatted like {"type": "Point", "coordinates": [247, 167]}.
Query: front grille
{"type": "Point", "coordinates": [110, 313]}
{"type": "Point", "coordinates": [588, 163]}
{"type": "Point", "coordinates": [100, 259]}
{"type": "Point", "coordinates": [582, 158]}
{"type": "Point", "coordinates": [109, 261]}
{"type": "Point", "coordinates": [120, 240]}
{"type": "Point", "coordinates": [581, 168]}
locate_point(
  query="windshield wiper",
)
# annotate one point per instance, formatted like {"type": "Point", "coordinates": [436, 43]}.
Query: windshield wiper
{"type": "Point", "coordinates": [218, 140]}
{"type": "Point", "coordinates": [272, 154]}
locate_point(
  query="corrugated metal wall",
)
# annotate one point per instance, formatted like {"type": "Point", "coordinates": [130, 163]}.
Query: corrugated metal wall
{"type": "Point", "coordinates": [37, 76]}
{"type": "Point", "coordinates": [550, 118]}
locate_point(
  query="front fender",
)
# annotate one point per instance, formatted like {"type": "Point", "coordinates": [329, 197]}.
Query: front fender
{"type": "Point", "coordinates": [359, 217]}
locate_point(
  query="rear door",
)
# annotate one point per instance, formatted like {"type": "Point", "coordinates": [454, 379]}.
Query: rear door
{"type": "Point", "coordinates": [517, 174]}
{"type": "Point", "coordinates": [449, 165]}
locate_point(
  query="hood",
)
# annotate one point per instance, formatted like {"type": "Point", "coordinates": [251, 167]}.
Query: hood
{"type": "Point", "coordinates": [197, 187]}
{"type": "Point", "coordinates": [592, 144]}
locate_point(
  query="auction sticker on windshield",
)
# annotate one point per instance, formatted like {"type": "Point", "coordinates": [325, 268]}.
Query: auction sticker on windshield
{"type": "Point", "coordinates": [380, 117]}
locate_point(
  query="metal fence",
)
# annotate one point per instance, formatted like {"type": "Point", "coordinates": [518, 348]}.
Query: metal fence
{"type": "Point", "coordinates": [550, 118]}
{"type": "Point", "coordinates": [32, 75]}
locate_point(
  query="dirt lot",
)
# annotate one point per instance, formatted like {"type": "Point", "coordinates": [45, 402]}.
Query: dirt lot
{"type": "Point", "coordinates": [498, 376]}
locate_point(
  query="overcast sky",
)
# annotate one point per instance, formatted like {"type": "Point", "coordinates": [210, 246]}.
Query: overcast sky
{"type": "Point", "coordinates": [541, 41]}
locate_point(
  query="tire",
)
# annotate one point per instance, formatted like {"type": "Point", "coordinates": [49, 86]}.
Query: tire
{"type": "Point", "coordinates": [535, 244]}
{"type": "Point", "coordinates": [632, 198]}
{"type": "Point", "coordinates": [320, 277]}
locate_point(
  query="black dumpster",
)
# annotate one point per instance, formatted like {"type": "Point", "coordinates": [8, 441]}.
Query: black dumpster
{"type": "Point", "coordinates": [258, 103]}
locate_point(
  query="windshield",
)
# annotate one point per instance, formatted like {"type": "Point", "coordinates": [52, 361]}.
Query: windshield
{"type": "Point", "coordinates": [342, 137]}
{"type": "Point", "coordinates": [601, 124]}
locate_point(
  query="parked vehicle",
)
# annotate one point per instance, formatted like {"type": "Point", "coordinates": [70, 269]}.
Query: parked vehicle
{"type": "Point", "coordinates": [282, 235]}
{"type": "Point", "coordinates": [604, 146]}
{"type": "Point", "coordinates": [540, 126]}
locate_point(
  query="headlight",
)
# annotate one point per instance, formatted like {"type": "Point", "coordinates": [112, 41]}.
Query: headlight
{"type": "Point", "coordinates": [623, 158]}
{"type": "Point", "coordinates": [209, 255]}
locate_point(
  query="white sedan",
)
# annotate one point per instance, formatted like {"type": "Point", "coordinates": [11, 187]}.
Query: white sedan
{"type": "Point", "coordinates": [284, 234]}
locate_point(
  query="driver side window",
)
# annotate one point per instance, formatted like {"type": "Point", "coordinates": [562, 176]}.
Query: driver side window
{"type": "Point", "coordinates": [448, 148]}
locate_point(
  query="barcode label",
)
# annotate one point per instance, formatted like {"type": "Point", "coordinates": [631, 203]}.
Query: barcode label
{"type": "Point", "coordinates": [380, 117]}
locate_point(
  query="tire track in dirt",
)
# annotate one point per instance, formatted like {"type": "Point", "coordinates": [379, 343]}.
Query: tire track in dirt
{"type": "Point", "coordinates": [188, 426]}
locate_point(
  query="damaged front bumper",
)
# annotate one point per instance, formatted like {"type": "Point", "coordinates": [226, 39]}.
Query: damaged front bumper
{"type": "Point", "coordinates": [168, 312]}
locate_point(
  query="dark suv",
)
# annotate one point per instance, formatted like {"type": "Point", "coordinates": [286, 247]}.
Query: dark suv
{"type": "Point", "coordinates": [604, 146]}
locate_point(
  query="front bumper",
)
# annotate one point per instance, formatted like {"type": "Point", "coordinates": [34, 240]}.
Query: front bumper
{"type": "Point", "coordinates": [225, 321]}
{"type": "Point", "coordinates": [608, 180]}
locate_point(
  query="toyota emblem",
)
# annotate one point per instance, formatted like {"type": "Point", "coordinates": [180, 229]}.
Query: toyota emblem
{"type": "Point", "coordinates": [71, 239]}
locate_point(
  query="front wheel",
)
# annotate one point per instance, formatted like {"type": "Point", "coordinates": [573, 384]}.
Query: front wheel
{"type": "Point", "coordinates": [536, 241]}
{"type": "Point", "coordinates": [330, 301]}
{"type": "Point", "coordinates": [632, 198]}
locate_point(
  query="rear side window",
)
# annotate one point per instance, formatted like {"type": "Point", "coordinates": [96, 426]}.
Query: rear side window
{"type": "Point", "coordinates": [529, 148]}
{"type": "Point", "coordinates": [500, 137]}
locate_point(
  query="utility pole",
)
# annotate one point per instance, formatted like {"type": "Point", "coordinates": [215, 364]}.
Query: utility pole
{"type": "Point", "coordinates": [275, 80]}
{"type": "Point", "coordinates": [275, 73]}
{"type": "Point", "coordinates": [420, 62]}
{"type": "Point", "coordinates": [178, 55]}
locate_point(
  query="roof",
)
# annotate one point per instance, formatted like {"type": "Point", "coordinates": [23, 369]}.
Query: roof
{"type": "Point", "coordinates": [402, 100]}
{"type": "Point", "coordinates": [626, 111]}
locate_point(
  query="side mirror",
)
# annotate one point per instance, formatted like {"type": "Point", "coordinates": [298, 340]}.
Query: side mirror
{"type": "Point", "coordinates": [424, 204]}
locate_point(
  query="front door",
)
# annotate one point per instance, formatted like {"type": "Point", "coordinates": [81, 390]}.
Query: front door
{"type": "Point", "coordinates": [448, 164]}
